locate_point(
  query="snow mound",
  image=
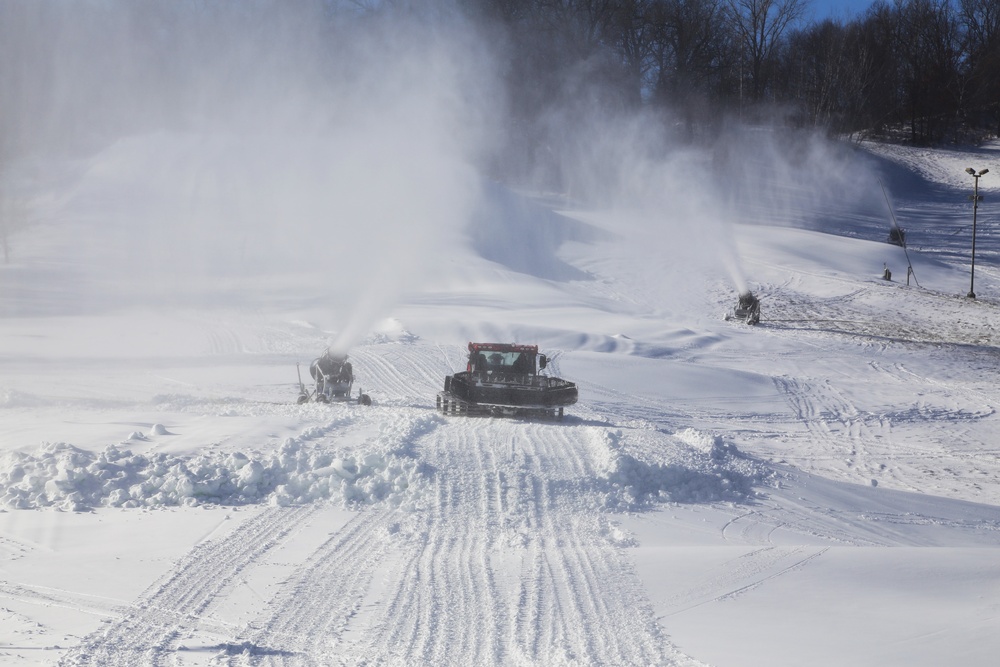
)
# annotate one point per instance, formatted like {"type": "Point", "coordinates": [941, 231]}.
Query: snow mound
{"type": "Point", "coordinates": [705, 470]}
{"type": "Point", "coordinates": [65, 477]}
{"type": "Point", "coordinates": [714, 446]}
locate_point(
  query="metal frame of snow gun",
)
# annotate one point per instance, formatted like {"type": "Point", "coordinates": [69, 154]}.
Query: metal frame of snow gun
{"type": "Point", "coordinates": [747, 309]}
{"type": "Point", "coordinates": [323, 392]}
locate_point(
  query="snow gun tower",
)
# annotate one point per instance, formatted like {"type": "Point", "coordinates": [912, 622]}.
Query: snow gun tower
{"type": "Point", "coordinates": [505, 379]}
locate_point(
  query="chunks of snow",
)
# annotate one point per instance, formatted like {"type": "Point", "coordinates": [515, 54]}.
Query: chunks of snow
{"type": "Point", "coordinates": [697, 468]}
{"type": "Point", "coordinates": [637, 470]}
{"type": "Point", "coordinates": [62, 476]}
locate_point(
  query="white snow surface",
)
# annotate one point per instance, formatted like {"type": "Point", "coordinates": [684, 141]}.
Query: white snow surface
{"type": "Point", "coordinates": [821, 489]}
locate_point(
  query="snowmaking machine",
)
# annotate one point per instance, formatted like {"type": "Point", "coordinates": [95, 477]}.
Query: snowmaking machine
{"type": "Point", "coordinates": [897, 236]}
{"type": "Point", "coordinates": [505, 379]}
{"type": "Point", "coordinates": [333, 378]}
{"type": "Point", "coordinates": [747, 309]}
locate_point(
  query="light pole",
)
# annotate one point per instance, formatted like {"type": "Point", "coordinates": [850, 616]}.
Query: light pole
{"type": "Point", "coordinates": [975, 205]}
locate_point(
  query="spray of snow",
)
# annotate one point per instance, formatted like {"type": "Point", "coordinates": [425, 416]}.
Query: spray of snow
{"type": "Point", "coordinates": [276, 147]}
{"type": "Point", "coordinates": [690, 196]}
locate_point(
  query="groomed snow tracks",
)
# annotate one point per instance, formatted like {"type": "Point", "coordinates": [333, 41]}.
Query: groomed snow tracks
{"type": "Point", "coordinates": [147, 631]}
{"type": "Point", "coordinates": [507, 559]}
{"type": "Point", "coordinates": [511, 564]}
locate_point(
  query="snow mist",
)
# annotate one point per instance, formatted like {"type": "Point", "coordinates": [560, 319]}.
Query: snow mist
{"type": "Point", "coordinates": [308, 154]}
{"type": "Point", "coordinates": [684, 196]}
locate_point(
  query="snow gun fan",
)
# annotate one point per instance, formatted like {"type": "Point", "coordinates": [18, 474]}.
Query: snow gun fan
{"type": "Point", "coordinates": [505, 380]}
{"type": "Point", "coordinates": [333, 378]}
{"type": "Point", "coordinates": [747, 309]}
{"type": "Point", "coordinates": [897, 236]}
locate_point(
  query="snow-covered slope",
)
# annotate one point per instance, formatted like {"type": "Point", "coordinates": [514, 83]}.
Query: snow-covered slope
{"type": "Point", "coordinates": [820, 489]}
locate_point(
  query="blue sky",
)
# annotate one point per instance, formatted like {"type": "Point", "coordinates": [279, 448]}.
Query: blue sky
{"type": "Point", "coordinates": [843, 9]}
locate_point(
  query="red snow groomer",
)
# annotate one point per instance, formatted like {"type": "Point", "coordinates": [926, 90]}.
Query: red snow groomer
{"type": "Point", "coordinates": [504, 379]}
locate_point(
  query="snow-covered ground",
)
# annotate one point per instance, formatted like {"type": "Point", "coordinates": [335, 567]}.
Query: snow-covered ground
{"type": "Point", "coordinates": [821, 489]}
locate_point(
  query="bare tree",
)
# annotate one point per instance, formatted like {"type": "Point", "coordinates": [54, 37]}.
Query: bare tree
{"type": "Point", "coordinates": [688, 50]}
{"type": "Point", "coordinates": [930, 44]}
{"type": "Point", "coordinates": [759, 26]}
{"type": "Point", "coordinates": [632, 31]}
{"type": "Point", "coordinates": [815, 63]}
{"type": "Point", "coordinates": [980, 21]}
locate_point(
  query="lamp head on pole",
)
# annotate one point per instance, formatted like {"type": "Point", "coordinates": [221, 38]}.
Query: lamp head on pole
{"type": "Point", "coordinates": [975, 198]}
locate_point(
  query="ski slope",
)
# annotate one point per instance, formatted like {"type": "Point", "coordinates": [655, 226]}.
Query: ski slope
{"type": "Point", "coordinates": [819, 489]}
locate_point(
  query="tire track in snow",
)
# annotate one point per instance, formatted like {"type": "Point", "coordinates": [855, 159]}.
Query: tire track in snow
{"type": "Point", "coordinates": [742, 574]}
{"type": "Point", "coordinates": [866, 446]}
{"type": "Point", "coordinates": [445, 606]}
{"type": "Point", "coordinates": [403, 374]}
{"type": "Point", "coordinates": [147, 631]}
{"type": "Point", "coordinates": [513, 564]}
{"type": "Point", "coordinates": [751, 528]}
{"type": "Point", "coordinates": [311, 613]}
{"type": "Point", "coordinates": [835, 426]}
{"type": "Point", "coordinates": [901, 311]}
{"type": "Point", "coordinates": [583, 556]}
{"type": "Point", "coordinates": [509, 560]}
{"type": "Point", "coordinates": [55, 597]}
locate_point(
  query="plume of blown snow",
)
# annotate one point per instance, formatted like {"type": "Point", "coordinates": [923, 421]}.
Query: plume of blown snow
{"type": "Point", "coordinates": [691, 195]}
{"type": "Point", "coordinates": [309, 152]}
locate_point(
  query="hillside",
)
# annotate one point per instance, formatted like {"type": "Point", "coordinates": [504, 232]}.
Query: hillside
{"type": "Point", "coordinates": [819, 489]}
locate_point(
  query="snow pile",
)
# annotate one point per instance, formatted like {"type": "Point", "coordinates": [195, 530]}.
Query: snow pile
{"type": "Point", "coordinates": [62, 476]}
{"type": "Point", "coordinates": [714, 446]}
{"type": "Point", "coordinates": [707, 470]}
